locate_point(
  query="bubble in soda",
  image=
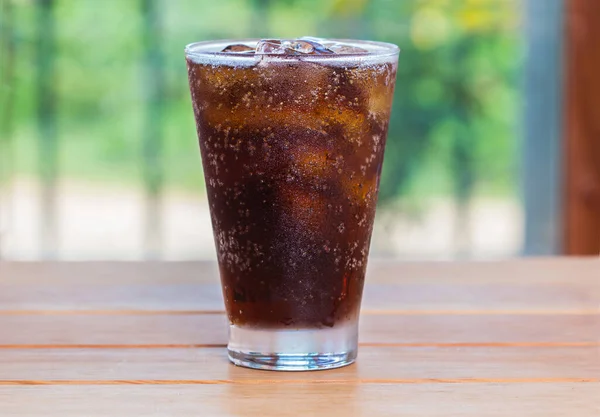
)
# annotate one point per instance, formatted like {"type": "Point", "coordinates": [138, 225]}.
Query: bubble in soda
{"type": "Point", "coordinates": [238, 48]}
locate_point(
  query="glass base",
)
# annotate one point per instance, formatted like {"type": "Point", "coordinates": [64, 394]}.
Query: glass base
{"type": "Point", "coordinates": [293, 350]}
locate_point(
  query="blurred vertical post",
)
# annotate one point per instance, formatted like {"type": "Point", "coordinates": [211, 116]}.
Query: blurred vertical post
{"type": "Point", "coordinates": [463, 161]}
{"type": "Point", "coordinates": [46, 124]}
{"type": "Point", "coordinates": [153, 90]}
{"type": "Point", "coordinates": [582, 133]}
{"type": "Point", "coordinates": [543, 98]}
{"type": "Point", "coordinates": [7, 99]}
{"type": "Point", "coordinates": [463, 155]}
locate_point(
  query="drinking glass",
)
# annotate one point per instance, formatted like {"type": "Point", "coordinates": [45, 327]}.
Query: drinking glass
{"type": "Point", "coordinates": [292, 140]}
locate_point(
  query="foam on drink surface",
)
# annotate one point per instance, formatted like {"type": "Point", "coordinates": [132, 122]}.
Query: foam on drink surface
{"type": "Point", "coordinates": [301, 46]}
{"type": "Point", "coordinates": [335, 52]}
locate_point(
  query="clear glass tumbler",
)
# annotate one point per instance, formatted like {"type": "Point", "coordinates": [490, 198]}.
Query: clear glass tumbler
{"type": "Point", "coordinates": [292, 136]}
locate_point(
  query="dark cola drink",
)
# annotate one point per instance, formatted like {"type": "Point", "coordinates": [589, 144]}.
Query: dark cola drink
{"type": "Point", "coordinates": [292, 135]}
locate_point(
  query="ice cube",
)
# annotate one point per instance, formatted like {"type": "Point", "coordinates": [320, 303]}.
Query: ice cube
{"type": "Point", "coordinates": [238, 48]}
{"type": "Point", "coordinates": [340, 48]}
{"type": "Point", "coordinates": [303, 47]}
{"type": "Point", "coordinates": [270, 46]}
{"type": "Point", "coordinates": [291, 47]}
{"type": "Point", "coordinates": [306, 46]}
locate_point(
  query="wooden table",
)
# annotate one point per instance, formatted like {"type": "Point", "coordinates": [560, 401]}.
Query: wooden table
{"type": "Point", "coordinates": [441, 339]}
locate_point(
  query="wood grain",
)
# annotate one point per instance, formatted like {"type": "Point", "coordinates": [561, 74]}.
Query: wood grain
{"type": "Point", "coordinates": [582, 182]}
{"type": "Point", "coordinates": [324, 381]}
{"type": "Point", "coordinates": [211, 329]}
{"type": "Point", "coordinates": [382, 400]}
{"type": "Point", "coordinates": [550, 287]}
{"type": "Point", "coordinates": [537, 364]}
{"type": "Point", "coordinates": [526, 271]}
{"type": "Point", "coordinates": [126, 339]}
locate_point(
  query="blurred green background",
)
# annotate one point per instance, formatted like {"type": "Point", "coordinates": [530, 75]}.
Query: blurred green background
{"type": "Point", "coordinates": [96, 90]}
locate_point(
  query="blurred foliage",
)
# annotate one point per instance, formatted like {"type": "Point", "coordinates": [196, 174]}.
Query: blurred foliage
{"type": "Point", "coordinates": [454, 122]}
{"type": "Point", "coordinates": [454, 125]}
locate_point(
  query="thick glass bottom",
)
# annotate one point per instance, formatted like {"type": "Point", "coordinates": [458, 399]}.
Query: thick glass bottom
{"type": "Point", "coordinates": [293, 350]}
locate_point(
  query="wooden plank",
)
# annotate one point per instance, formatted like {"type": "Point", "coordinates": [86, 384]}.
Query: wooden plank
{"type": "Point", "coordinates": [550, 286]}
{"type": "Point", "coordinates": [281, 400]}
{"type": "Point", "coordinates": [374, 364]}
{"type": "Point", "coordinates": [378, 298]}
{"type": "Point", "coordinates": [100, 273]}
{"type": "Point", "coordinates": [549, 271]}
{"type": "Point", "coordinates": [565, 271]}
{"type": "Point", "coordinates": [582, 156]}
{"type": "Point", "coordinates": [186, 329]}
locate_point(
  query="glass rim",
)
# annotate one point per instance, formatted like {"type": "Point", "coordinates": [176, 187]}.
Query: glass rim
{"type": "Point", "coordinates": [211, 51]}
